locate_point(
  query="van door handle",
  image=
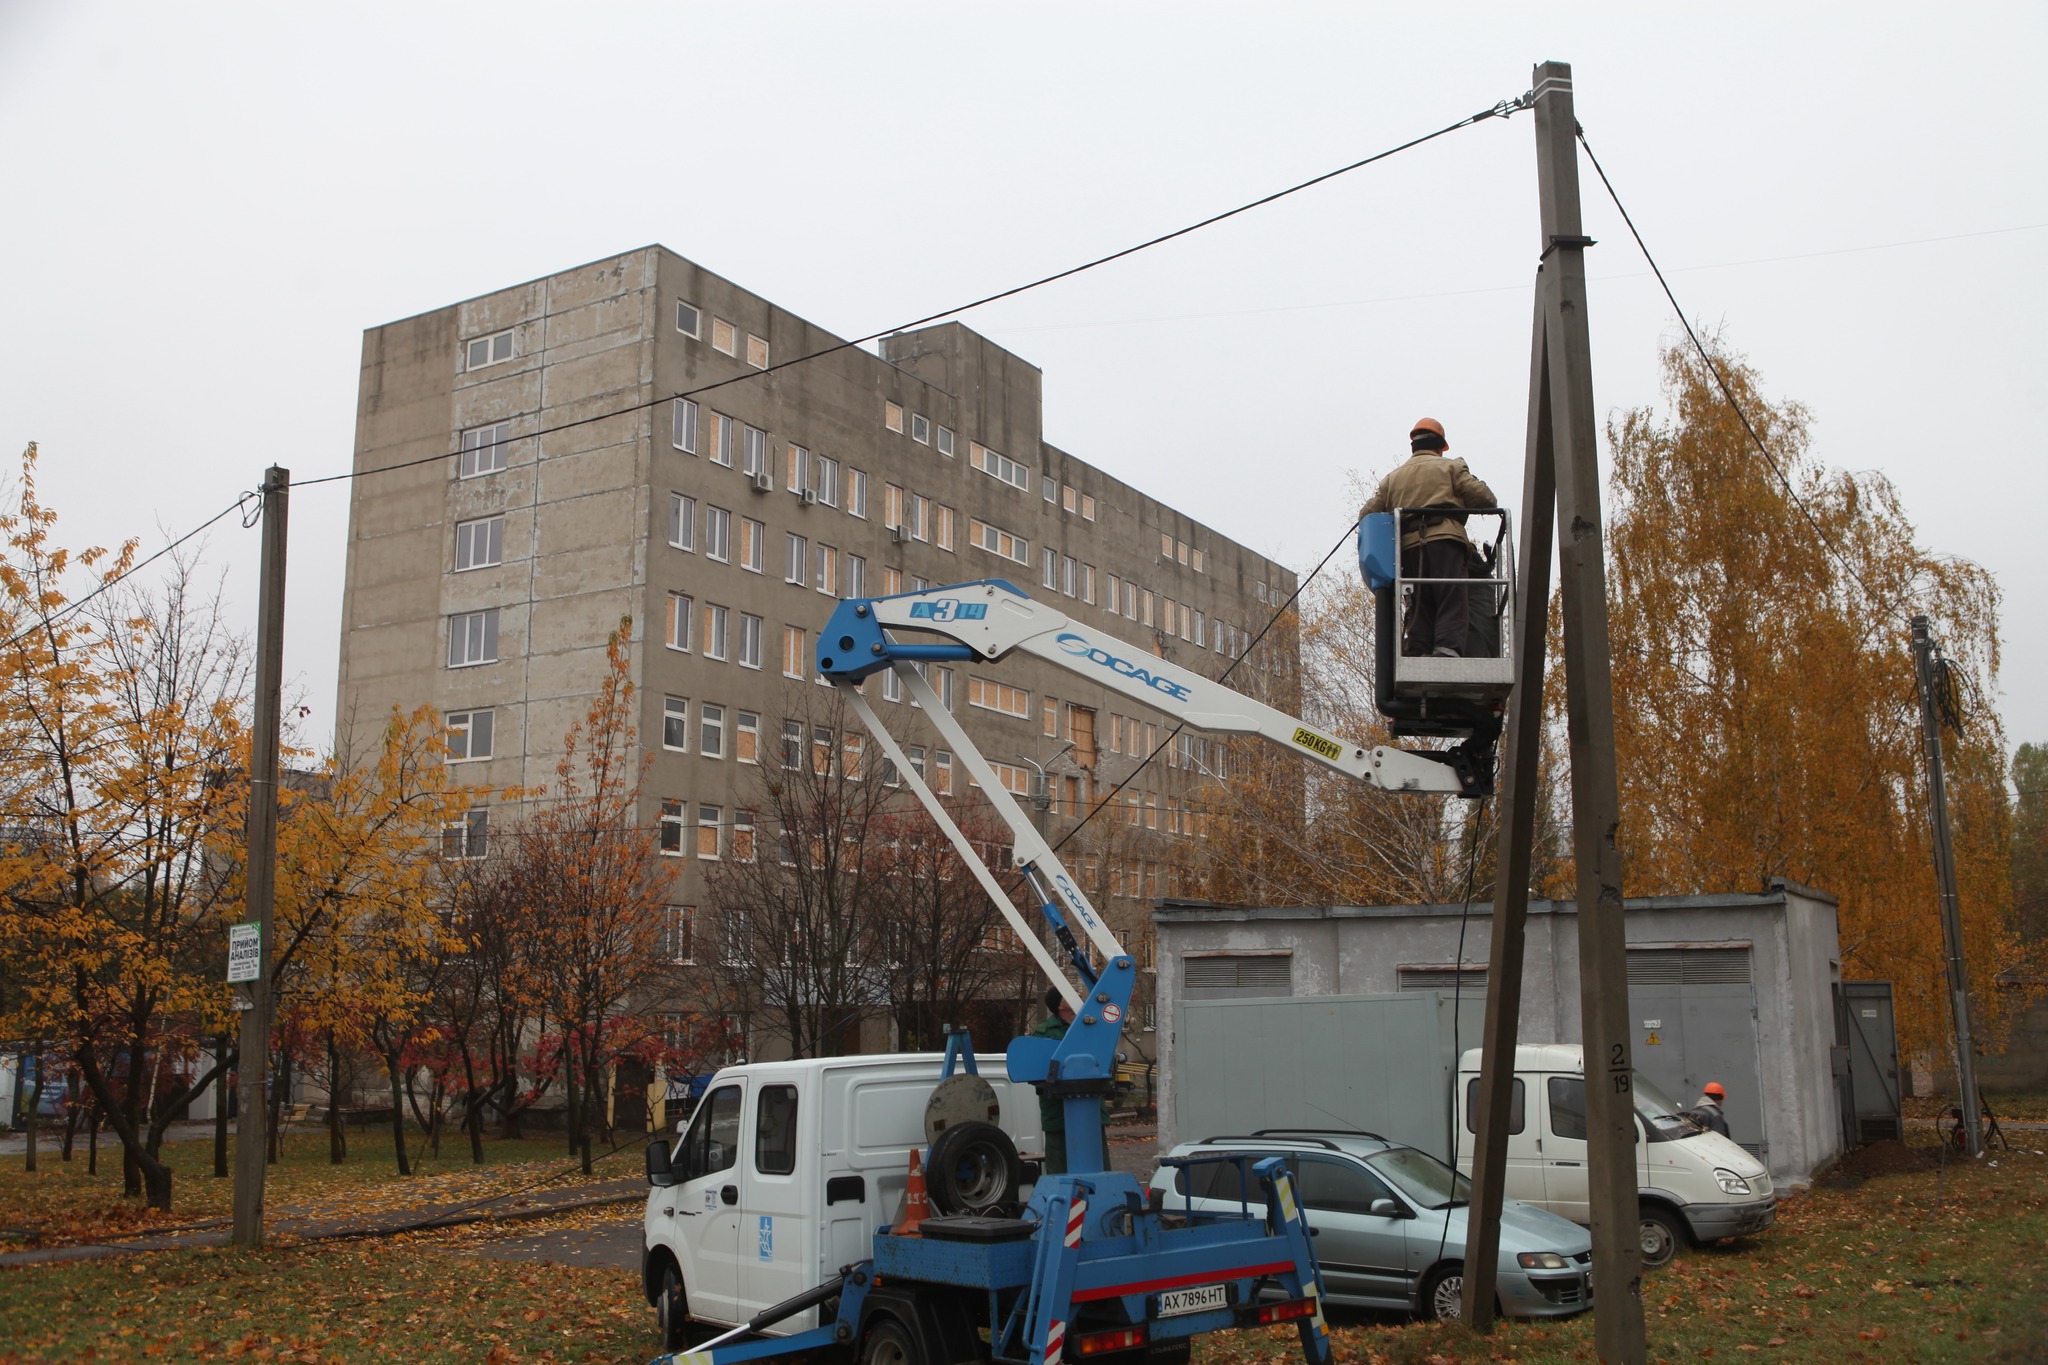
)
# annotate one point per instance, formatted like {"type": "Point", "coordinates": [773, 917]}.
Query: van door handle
{"type": "Point", "coordinates": [730, 1194]}
{"type": "Point", "coordinates": [1567, 1163]}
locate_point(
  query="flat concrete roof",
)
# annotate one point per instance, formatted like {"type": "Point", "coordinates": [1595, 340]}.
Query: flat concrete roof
{"type": "Point", "coordinates": [1171, 910]}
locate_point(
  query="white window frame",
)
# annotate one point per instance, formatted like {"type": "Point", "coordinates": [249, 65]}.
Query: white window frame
{"type": "Point", "coordinates": [710, 730]}
{"type": "Point", "coordinates": [920, 429]}
{"type": "Point", "coordinates": [753, 537]}
{"type": "Point", "coordinates": [465, 723]}
{"type": "Point", "coordinates": [717, 624]}
{"type": "Point", "coordinates": [682, 522]}
{"type": "Point", "coordinates": [755, 343]}
{"type": "Point", "coordinates": [945, 442]}
{"type": "Point", "coordinates": [494, 353]}
{"type": "Point", "coordinates": [681, 608]}
{"type": "Point", "coordinates": [480, 543]}
{"type": "Point", "coordinates": [473, 638]}
{"type": "Point", "coordinates": [483, 450]}
{"type": "Point", "coordinates": [695, 329]}
{"type": "Point", "coordinates": [796, 559]}
{"type": "Point", "coordinates": [675, 723]}
{"type": "Point", "coordinates": [682, 426]}
{"type": "Point", "coordinates": [717, 534]}
{"type": "Point", "coordinates": [721, 329]}
{"type": "Point", "coordinates": [857, 493]}
{"type": "Point", "coordinates": [669, 825]}
{"type": "Point", "coordinates": [750, 640]}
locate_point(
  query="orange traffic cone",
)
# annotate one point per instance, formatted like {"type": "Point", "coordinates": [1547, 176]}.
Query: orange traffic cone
{"type": "Point", "coordinates": [917, 1202]}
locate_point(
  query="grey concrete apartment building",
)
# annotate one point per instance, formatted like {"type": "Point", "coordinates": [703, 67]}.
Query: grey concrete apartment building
{"type": "Point", "coordinates": [726, 525]}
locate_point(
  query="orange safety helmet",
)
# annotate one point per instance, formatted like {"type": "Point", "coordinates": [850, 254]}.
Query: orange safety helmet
{"type": "Point", "coordinates": [1714, 1088]}
{"type": "Point", "coordinates": [1428, 424]}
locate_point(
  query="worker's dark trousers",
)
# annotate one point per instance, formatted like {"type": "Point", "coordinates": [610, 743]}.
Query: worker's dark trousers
{"type": "Point", "coordinates": [1438, 617]}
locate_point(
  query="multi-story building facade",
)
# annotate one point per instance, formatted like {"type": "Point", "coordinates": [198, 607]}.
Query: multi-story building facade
{"type": "Point", "coordinates": [725, 523]}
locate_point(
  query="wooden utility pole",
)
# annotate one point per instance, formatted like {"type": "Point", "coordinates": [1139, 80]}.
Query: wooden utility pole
{"type": "Point", "coordinates": [261, 838]}
{"type": "Point", "coordinates": [1945, 880]}
{"type": "Point", "coordinates": [1561, 478]}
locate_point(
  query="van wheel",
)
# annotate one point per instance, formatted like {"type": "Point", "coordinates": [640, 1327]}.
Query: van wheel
{"type": "Point", "coordinates": [974, 1168]}
{"type": "Point", "coordinates": [671, 1310]}
{"type": "Point", "coordinates": [1662, 1237]}
{"type": "Point", "coordinates": [887, 1343]}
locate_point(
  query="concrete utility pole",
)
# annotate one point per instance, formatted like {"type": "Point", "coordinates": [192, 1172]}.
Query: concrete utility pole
{"type": "Point", "coordinates": [261, 837]}
{"type": "Point", "coordinates": [1945, 879]}
{"type": "Point", "coordinates": [1561, 477]}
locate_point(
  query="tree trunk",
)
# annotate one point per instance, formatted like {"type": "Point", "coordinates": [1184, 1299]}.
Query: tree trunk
{"type": "Point", "coordinates": [337, 1141]}
{"type": "Point", "coordinates": [137, 1163]}
{"type": "Point", "coordinates": [397, 1112]}
{"type": "Point", "coordinates": [70, 1122]}
{"type": "Point", "coordinates": [571, 1116]}
{"type": "Point", "coordinates": [92, 1142]}
{"type": "Point", "coordinates": [220, 1107]}
{"type": "Point", "coordinates": [473, 1114]}
{"type": "Point", "coordinates": [434, 1120]}
{"type": "Point", "coordinates": [280, 1086]}
{"type": "Point", "coordinates": [28, 1123]}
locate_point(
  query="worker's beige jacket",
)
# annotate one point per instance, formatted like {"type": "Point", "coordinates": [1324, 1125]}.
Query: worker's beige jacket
{"type": "Point", "coordinates": [1430, 480]}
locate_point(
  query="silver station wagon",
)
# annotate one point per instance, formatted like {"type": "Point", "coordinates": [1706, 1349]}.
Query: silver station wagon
{"type": "Point", "coordinates": [1388, 1220]}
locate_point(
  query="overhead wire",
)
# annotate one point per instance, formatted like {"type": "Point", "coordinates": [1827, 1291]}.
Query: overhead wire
{"type": "Point", "coordinates": [1728, 393]}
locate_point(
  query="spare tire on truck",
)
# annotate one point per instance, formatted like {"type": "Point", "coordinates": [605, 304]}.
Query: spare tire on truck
{"type": "Point", "coordinates": [974, 1169]}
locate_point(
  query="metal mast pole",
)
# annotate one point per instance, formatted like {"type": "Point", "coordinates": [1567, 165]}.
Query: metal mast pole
{"type": "Point", "coordinates": [1945, 879]}
{"type": "Point", "coordinates": [261, 835]}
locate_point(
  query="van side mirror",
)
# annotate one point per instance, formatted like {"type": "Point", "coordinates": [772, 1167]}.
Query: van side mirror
{"type": "Point", "coordinates": [659, 1173]}
{"type": "Point", "coordinates": [1385, 1208]}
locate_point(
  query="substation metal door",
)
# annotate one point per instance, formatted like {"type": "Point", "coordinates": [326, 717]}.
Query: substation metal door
{"type": "Point", "coordinates": [1693, 1013]}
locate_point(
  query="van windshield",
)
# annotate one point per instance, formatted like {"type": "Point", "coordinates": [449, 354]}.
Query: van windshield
{"type": "Point", "coordinates": [1422, 1177]}
{"type": "Point", "coordinates": [1661, 1118]}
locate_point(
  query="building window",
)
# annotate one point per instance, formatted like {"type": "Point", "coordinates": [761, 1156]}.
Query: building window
{"type": "Point", "coordinates": [915, 753]}
{"type": "Point", "coordinates": [990, 695]}
{"type": "Point", "coordinates": [473, 638]}
{"type": "Point", "coordinates": [826, 481]}
{"type": "Point", "coordinates": [1131, 599]}
{"type": "Point", "coordinates": [750, 641]}
{"type": "Point", "coordinates": [944, 685]}
{"type": "Point", "coordinates": [942, 772]}
{"type": "Point", "coordinates": [679, 609]}
{"type": "Point", "coordinates": [479, 544]}
{"type": "Point", "coordinates": [856, 576]}
{"type": "Point", "coordinates": [670, 828]}
{"type": "Point", "coordinates": [796, 468]}
{"type": "Point", "coordinates": [757, 351]}
{"type": "Point", "coordinates": [676, 940]}
{"type": "Point", "coordinates": [828, 570]}
{"type": "Point", "coordinates": [753, 535]}
{"type": "Point", "coordinates": [715, 620]}
{"type": "Point", "coordinates": [792, 744]}
{"type": "Point", "coordinates": [1049, 487]}
{"type": "Point", "coordinates": [1070, 498]}
{"type": "Point", "coordinates": [1088, 584]}
{"type": "Point", "coordinates": [483, 450]}
{"type": "Point", "coordinates": [892, 685]}
{"type": "Point", "coordinates": [682, 522]}
{"type": "Point", "coordinates": [682, 426]}
{"type": "Point", "coordinates": [1195, 560]}
{"type": "Point", "coordinates": [675, 724]}
{"type": "Point", "coordinates": [1165, 545]}
{"type": "Point", "coordinates": [1052, 718]}
{"type": "Point", "coordinates": [821, 750]}
{"type": "Point", "coordinates": [1180, 551]}
{"type": "Point", "coordinates": [1049, 568]}
{"type": "Point", "coordinates": [795, 563]}
{"type": "Point", "coordinates": [711, 730]}
{"type": "Point", "coordinates": [723, 339]}
{"type": "Point", "coordinates": [942, 528]}
{"type": "Point", "coordinates": [851, 748]}
{"type": "Point", "coordinates": [688, 319]}
{"type": "Point", "coordinates": [717, 533]}
{"type": "Point", "coordinates": [743, 836]}
{"type": "Point", "coordinates": [892, 581]}
{"type": "Point", "coordinates": [794, 664]}
{"type": "Point", "coordinates": [469, 735]}
{"type": "Point", "coordinates": [1110, 582]}
{"type": "Point", "coordinates": [747, 738]}
{"type": "Point", "coordinates": [946, 442]}
{"type": "Point", "coordinates": [1081, 729]}
{"type": "Point", "coordinates": [920, 517]}
{"type": "Point", "coordinates": [998, 542]}
{"type": "Point", "coordinates": [892, 506]}
{"type": "Point", "coordinates": [490, 350]}
{"type": "Point", "coordinates": [724, 436]}
{"type": "Point", "coordinates": [1012, 778]}
{"type": "Point", "coordinates": [997, 466]}
{"type": "Point", "coordinates": [1088, 506]}
{"type": "Point", "coordinates": [892, 416]}
{"type": "Point", "coordinates": [469, 837]}
{"type": "Point", "coordinates": [857, 493]}
{"type": "Point", "coordinates": [920, 429]}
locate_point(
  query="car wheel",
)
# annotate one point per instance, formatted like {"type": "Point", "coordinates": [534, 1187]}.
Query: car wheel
{"type": "Point", "coordinates": [888, 1343]}
{"type": "Point", "coordinates": [1662, 1236]}
{"type": "Point", "coordinates": [671, 1310]}
{"type": "Point", "coordinates": [1443, 1293]}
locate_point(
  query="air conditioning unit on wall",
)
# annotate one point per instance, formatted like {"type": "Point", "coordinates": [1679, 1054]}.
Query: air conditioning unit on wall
{"type": "Point", "coordinates": [764, 482]}
{"type": "Point", "coordinates": [806, 496]}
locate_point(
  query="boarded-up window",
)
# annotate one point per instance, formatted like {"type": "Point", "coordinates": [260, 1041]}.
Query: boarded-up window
{"type": "Point", "coordinates": [1081, 729]}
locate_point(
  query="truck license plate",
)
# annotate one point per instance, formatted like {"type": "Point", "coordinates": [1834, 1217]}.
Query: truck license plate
{"type": "Point", "coordinates": [1201, 1299]}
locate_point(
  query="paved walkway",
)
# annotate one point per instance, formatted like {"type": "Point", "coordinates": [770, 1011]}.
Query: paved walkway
{"type": "Point", "coordinates": [301, 1225]}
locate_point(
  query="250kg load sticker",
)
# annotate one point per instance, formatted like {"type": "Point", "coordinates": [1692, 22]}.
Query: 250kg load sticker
{"type": "Point", "coordinates": [1309, 739]}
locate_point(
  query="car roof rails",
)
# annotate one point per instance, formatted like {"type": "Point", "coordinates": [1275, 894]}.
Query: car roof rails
{"type": "Point", "coordinates": [1334, 1132]}
{"type": "Point", "coordinates": [1268, 1136]}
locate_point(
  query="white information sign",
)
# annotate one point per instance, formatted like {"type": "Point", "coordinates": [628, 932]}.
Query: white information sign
{"type": "Point", "coordinates": [245, 952]}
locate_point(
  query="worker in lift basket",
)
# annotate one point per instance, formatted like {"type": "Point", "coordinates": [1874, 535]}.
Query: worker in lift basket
{"type": "Point", "coordinates": [1707, 1113]}
{"type": "Point", "coordinates": [1433, 542]}
{"type": "Point", "coordinates": [1052, 1114]}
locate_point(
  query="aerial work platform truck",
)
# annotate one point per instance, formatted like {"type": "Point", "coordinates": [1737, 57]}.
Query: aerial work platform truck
{"type": "Point", "coordinates": [812, 1154]}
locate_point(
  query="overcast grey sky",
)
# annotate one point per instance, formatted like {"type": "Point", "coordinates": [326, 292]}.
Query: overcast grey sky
{"type": "Point", "coordinates": [206, 205]}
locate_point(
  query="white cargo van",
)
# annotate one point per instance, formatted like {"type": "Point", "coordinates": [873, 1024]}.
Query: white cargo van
{"type": "Point", "coordinates": [1693, 1184]}
{"type": "Point", "coordinates": [785, 1172]}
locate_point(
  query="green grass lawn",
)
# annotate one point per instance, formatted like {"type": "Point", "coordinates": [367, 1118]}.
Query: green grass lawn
{"type": "Point", "coordinates": [61, 1202]}
{"type": "Point", "coordinates": [1920, 1266]}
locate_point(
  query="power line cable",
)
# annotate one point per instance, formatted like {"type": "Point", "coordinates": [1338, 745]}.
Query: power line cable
{"type": "Point", "coordinates": [1728, 394]}
{"type": "Point", "coordinates": [1501, 109]}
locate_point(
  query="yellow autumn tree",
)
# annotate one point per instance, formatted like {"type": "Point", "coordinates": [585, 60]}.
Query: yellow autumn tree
{"type": "Point", "coordinates": [1766, 713]}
